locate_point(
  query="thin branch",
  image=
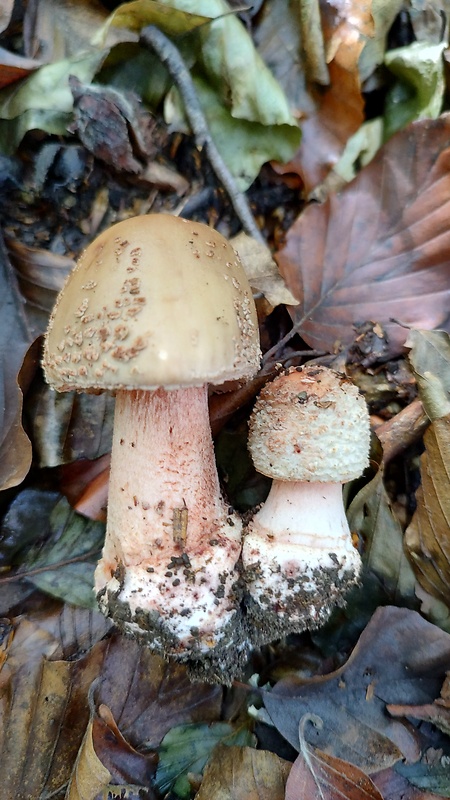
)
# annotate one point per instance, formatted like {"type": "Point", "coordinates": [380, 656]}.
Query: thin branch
{"type": "Point", "coordinates": [37, 570]}
{"type": "Point", "coordinates": [170, 56]}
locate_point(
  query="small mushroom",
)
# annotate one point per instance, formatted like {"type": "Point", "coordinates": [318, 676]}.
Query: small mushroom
{"type": "Point", "coordinates": [156, 308]}
{"type": "Point", "coordinates": [309, 431]}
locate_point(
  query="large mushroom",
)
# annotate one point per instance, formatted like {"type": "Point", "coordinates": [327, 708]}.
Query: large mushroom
{"type": "Point", "coordinates": [309, 431]}
{"type": "Point", "coordinates": [155, 310]}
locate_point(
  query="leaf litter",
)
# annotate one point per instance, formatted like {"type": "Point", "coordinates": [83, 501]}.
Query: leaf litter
{"type": "Point", "coordinates": [84, 711]}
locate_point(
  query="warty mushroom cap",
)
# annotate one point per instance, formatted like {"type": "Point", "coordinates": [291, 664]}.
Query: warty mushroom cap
{"type": "Point", "coordinates": [310, 424]}
{"type": "Point", "coordinates": [154, 301]}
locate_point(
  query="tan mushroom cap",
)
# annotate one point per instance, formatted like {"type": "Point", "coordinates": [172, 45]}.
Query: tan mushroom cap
{"type": "Point", "coordinates": [310, 425]}
{"type": "Point", "coordinates": [153, 301]}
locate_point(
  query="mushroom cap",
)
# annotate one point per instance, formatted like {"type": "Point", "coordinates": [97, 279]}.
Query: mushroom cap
{"type": "Point", "coordinates": [153, 301]}
{"type": "Point", "coordinates": [310, 424]}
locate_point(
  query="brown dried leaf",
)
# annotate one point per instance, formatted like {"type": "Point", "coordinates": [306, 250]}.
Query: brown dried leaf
{"type": "Point", "coordinates": [438, 712]}
{"type": "Point", "coordinates": [336, 111]}
{"type": "Point", "coordinates": [242, 773]}
{"type": "Point", "coordinates": [427, 538]}
{"type": "Point", "coordinates": [148, 696]}
{"type": "Point", "coordinates": [59, 29]}
{"type": "Point", "coordinates": [106, 761]}
{"type": "Point", "coordinates": [43, 712]}
{"type": "Point", "coordinates": [318, 776]}
{"type": "Point", "coordinates": [261, 270]}
{"type": "Point", "coordinates": [15, 338]}
{"type": "Point", "coordinates": [112, 125]}
{"type": "Point", "coordinates": [14, 67]}
{"type": "Point", "coordinates": [399, 658]}
{"type": "Point", "coordinates": [381, 249]}
{"type": "Point", "coordinates": [41, 275]}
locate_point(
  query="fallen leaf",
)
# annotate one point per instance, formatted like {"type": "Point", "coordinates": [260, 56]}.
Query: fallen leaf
{"type": "Point", "coordinates": [107, 763]}
{"type": "Point", "coordinates": [43, 712]}
{"type": "Point", "coordinates": [431, 773]}
{"type": "Point", "coordinates": [5, 14]}
{"type": "Point", "coordinates": [399, 658]}
{"type": "Point", "coordinates": [242, 773]}
{"type": "Point", "coordinates": [370, 252]}
{"type": "Point", "coordinates": [384, 13]}
{"type": "Point", "coordinates": [419, 90]}
{"type": "Point", "coordinates": [429, 357]}
{"type": "Point", "coordinates": [43, 101]}
{"type": "Point", "coordinates": [67, 426]}
{"type": "Point", "coordinates": [318, 776]}
{"type": "Point", "coordinates": [261, 270]}
{"type": "Point", "coordinates": [14, 67]}
{"type": "Point", "coordinates": [148, 696]}
{"type": "Point", "coordinates": [112, 125]}
{"type": "Point", "coordinates": [59, 29]}
{"type": "Point", "coordinates": [245, 145]}
{"type": "Point", "coordinates": [15, 338]}
{"type": "Point", "coordinates": [384, 557]}
{"type": "Point", "coordinates": [63, 560]}
{"type": "Point", "coordinates": [438, 712]}
{"type": "Point", "coordinates": [186, 749]}
{"type": "Point", "coordinates": [394, 786]}
{"type": "Point", "coordinates": [428, 535]}
{"type": "Point", "coordinates": [41, 275]}
{"type": "Point", "coordinates": [336, 111]}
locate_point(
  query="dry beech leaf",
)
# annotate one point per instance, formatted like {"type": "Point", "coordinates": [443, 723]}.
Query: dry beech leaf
{"type": "Point", "coordinates": [43, 712]}
{"type": "Point", "coordinates": [399, 658]}
{"type": "Point", "coordinates": [380, 250]}
{"type": "Point", "coordinates": [438, 712]}
{"type": "Point", "coordinates": [14, 67]}
{"type": "Point", "coordinates": [59, 29]}
{"type": "Point", "coordinates": [318, 776]}
{"type": "Point", "coordinates": [148, 696]}
{"type": "Point", "coordinates": [242, 773]}
{"type": "Point", "coordinates": [261, 270]}
{"type": "Point", "coordinates": [337, 108]}
{"type": "Point", "coordinates": [15, 338]}
{"type": "Point", "coordinates": [427, 538]}
{"type": "Point", "coordinates": [107, 762]}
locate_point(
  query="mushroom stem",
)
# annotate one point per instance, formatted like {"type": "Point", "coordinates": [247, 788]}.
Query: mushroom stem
{"type": "Point", "coordinates": [298, 558]}
{"type": "Point", "coordinates": [171, 546]}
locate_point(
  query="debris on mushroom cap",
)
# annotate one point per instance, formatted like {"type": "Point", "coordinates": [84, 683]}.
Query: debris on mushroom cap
{"type": "Point", "coordinates": [154, 301]}
{"type": "Point", "coordinates": [310, 424]}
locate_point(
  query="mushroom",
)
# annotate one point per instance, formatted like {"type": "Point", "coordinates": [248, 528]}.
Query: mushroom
{"type": "Point", "coordinates": [156, 308]}
{"type": "Point", "coordinates": [309, 431]}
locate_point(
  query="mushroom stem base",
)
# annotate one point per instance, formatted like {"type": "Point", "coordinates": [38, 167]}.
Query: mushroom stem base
{"type": "Point", "coordinates": [298, 557]}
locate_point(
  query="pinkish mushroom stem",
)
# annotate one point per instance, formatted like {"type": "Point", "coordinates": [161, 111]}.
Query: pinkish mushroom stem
{"type": "Point", "coordinates": [171, 545]}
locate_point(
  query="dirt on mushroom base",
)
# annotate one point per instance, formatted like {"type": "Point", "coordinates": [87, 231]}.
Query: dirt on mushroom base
{"type": "Point", "coordinates": [222, 664]}
{"type": "Point", "coordinates": [301, 610]}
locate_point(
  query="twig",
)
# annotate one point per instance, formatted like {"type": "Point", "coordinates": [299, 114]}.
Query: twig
{"type": "Point", "coordinates": [37, 570]}
{"type": "Point", "coordinates": [170, 56]}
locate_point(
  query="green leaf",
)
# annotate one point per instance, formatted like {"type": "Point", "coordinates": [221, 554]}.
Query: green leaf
{"type": "Point", "coordinates": [139, 13]}
{"type": "Point", "coordinates": [187, 748]}
{"type": "Point", "coordinates": [419, 91]}
{"type": "Point", "coordinates": [431, 777]}
{"type": "Point", "coordinates": [44, 100]}
{"type": "Point", "coordinates": [67, 536]}
{"type": "Point", "coordinates": [371, 515]}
